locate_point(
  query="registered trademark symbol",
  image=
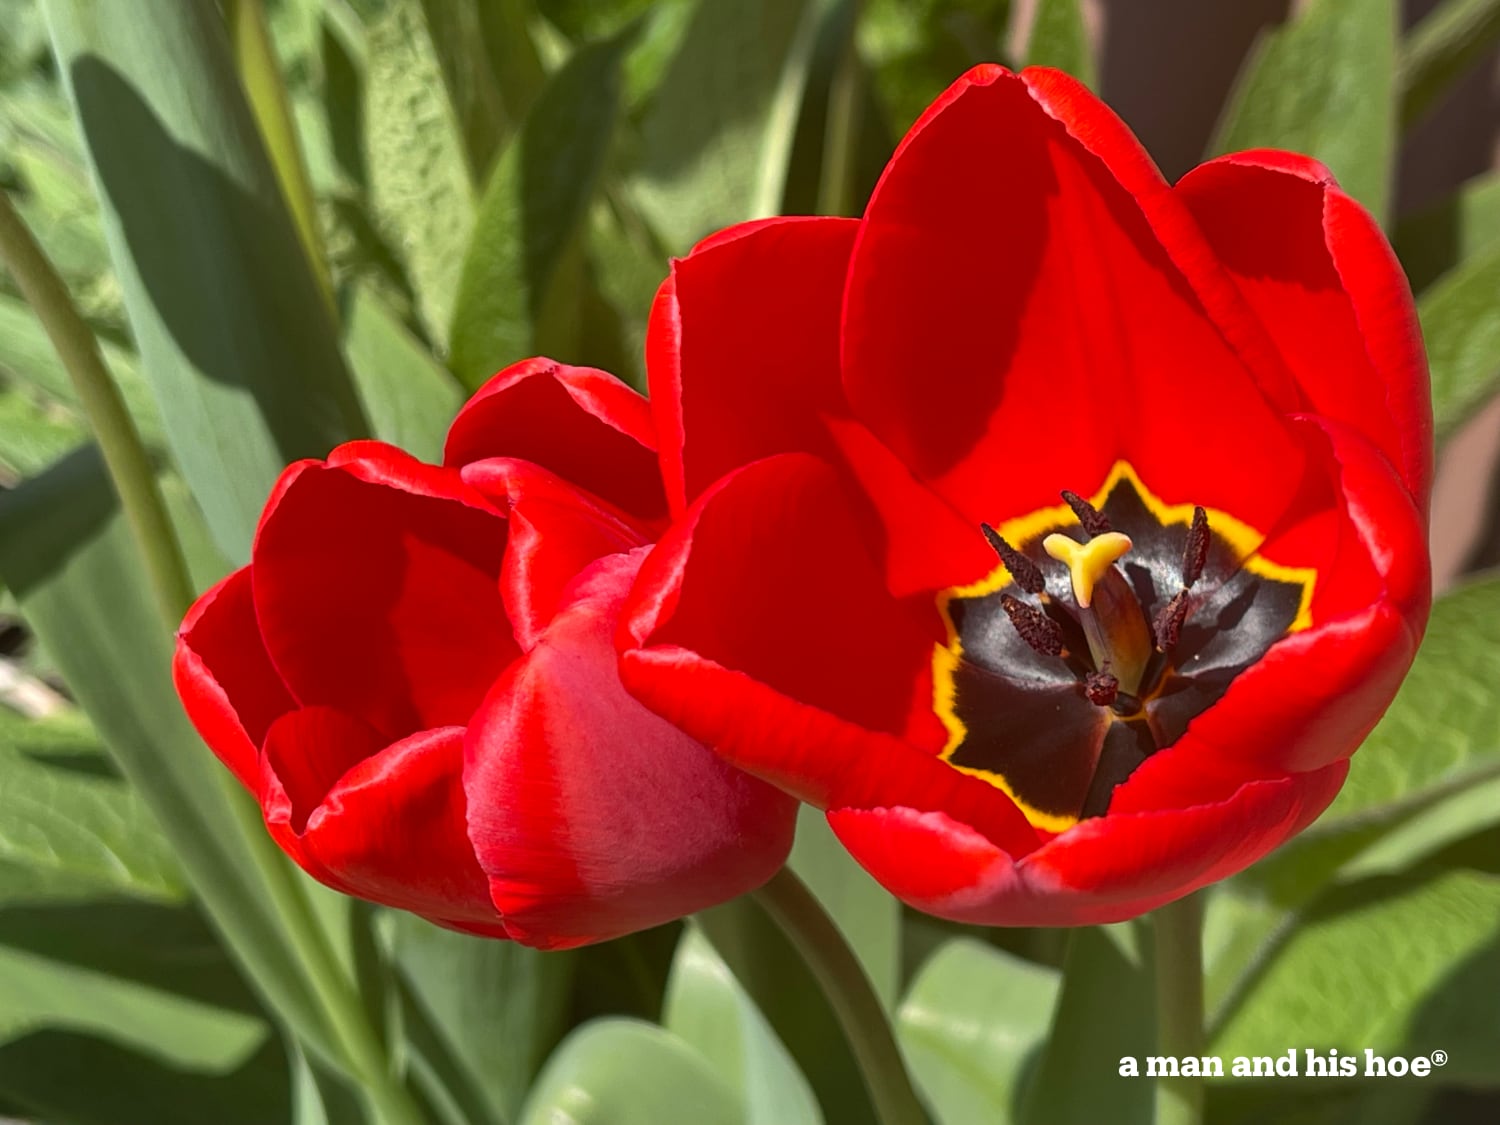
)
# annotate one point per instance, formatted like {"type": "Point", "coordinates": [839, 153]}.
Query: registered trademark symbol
{"type": "Point", "coordinates": [1439, 1058]}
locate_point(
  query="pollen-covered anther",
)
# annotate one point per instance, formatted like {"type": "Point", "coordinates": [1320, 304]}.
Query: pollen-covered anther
{"type": "Point", "coordinates": [1091, 518]}
{"type": "Point", "coordinates": [1101, 688]}
{"type": "Point", "coordinates": [1087, 562]}
{"type": "Point", "coordinates": [1037, 629]}
{"type": "Point", "coordinates": [1195, 551]}
{"type": "Point", "coordinates": [1025, 573]}
{"type": "Point", "coordinates": [1167, 628]}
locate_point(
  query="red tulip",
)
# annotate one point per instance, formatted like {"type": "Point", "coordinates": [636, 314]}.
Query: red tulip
{"type": "Point", "coordinates": [1015, 709]}
{"type": "Point", "coordinates": [416, 677]}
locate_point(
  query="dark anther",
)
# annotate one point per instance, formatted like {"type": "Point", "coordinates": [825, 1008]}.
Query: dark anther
{"type": "Point", "coordinates": [1036, 628]}
{"type": "Point", "coordinates": [1025, 573]}
{"type": "Point", "coordinates": [1195, 554]}
{"type": "Point", "coordinates": [1093, 520]}
{"type": "Point", "coordinates": [1167, 628]}
{"type": "Point", "coordinates": [1127, 705]}
{"type": "Point", "coordinates": [1101, 688]}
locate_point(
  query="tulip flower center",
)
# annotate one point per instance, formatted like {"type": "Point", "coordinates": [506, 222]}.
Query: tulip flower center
{"type": "Point", "coordinates": [1109, 624]}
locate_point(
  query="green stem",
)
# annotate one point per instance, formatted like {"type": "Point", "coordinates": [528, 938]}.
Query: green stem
{"type": "Point", "coordinates": [851, 995]}
{"type": "Point", "coordinates": [1440, 49]}
{"type": "Point", "coordinates": [1177, 930]}
{"type": "Point", "coordinates": [156, 539]}
{"type": "Point", "coordinates": [255, 56]}
{"type": "Point", "coordinates": [125, 456]}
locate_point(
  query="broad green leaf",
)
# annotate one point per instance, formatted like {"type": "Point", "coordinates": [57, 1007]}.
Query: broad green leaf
{"type": "Point", "coordinates": [624, 1072]}
{"type": "Point", "coordinates": [706, 1006]}
{"type": "Point", "coordinates": [718, 136]}
{"type": "Point", "coordinates": [1105, 1012]}
{"type": "Point", "coordinates": [456, 30]}
{"type": "Point", "coordinates": [1323, 85]}
{"type": "Point", "coordinates": [1442, 49]}
{"type": "Point", "coordinates": [32, 433]}
{"type": "Point", "coordinates": [1059, 38]}
{"type": "Point", "coordinates": [421, 186]}
{"type": "Point", "coordinates": [974, 1020]}
{"type": "Point", "coordinates": [68, 558]}
{"type": "Point", "coordinates": [1461, 323]}
{"type": "Point", "coordinates": [61, 818]}
{"type": "Point", "coordinates": [532, 215]}
{"type": "Point", "coordinates": [481, 1014]}
{"type": "Point", "coordinates": [1396, 966]}
{"type": "Point", "coordinates": [866, 913]}
{"type": "Point", "coordinates": [409, 397]}
{"type": "Point", "coordinates": [628, 267]}
{"type": "Point", "coordinates": [1461, 227]}
{"type": "Point", "coordinates": [319, 1097]}
{"type": "Point", "coordinates": [239, 348]}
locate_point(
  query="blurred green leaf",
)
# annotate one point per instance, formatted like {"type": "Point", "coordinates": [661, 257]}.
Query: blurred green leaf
{"type": "Point", "coordinates": [1058, 38]}
{"type": "Point", "coordinates": [1324, 85]}
{"type": "Point", "coordinates": [68, 558]}
{"type": "Point", "coordinates": [319, 1097]}
{"type": "Point", "coordinates": [1397, 966]}
{"type": "Point", "coordinates": [421, 185]}
{"type": "Point", "coordinates": [706, 1006]}
{"type": "Point", "coordinates": [1106, 1010]}
{"type": "Point", "coordinates": [1441, 49]}
{"type": "Point", "coordinates": [718, 136]}
{"type": "Point", "coordinates": [1434, 240]}
{"type": "Point", "coordinates": [71, 823]}
{"type": "Point", "coordinates": [240, 350]}
{"type": "Point", "coordinates": [481, 1014]}
{"type": "Point", "coordinates": [532, 215]}
{"type": "Point", "coordinates": [409, 397]}
{"type": "Point", "coordinates": [456, 30]}
{"type": "Point", "coordinates": [1461, 323]}
{"type": "Point", "coordinates": [624, 1072]}
{"type": "Point", "coordinates": [971, 1024]}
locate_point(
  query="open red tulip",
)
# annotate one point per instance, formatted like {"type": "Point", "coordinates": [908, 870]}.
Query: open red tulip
{"type": "Point", "coordinates": [1061, 532]}
{"type": "Point", "coordinates": [417, 679]}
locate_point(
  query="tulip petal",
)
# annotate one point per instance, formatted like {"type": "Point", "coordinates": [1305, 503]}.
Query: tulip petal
{"type": "Point", "coordinates": [555, 531]}
{"type": "Point", "coordinates": [375, 584]}
{"type": "Point", "coordinates": [743, 348]}
{"type": "Point", "coordinates": [1324, 281]}
{"type": "Point", "coordinates": [225, 678]}
{"type": "Point", "coordinates": [390, 824]}
{"type": "Point", "coordinates": [593, 817]}
{"type": "Point", "coordinates": [1012, 257]}
{"type": "Point", "coordinates": [1104, 870]}
{"type": "Point", "coordinates": [581, 423]}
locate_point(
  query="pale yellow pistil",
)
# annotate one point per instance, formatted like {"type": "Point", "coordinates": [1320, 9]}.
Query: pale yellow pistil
{"type": "Point", "coordinates": [1113, 622]}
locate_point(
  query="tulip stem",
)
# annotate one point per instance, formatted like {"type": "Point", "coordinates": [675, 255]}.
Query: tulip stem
{"type": "Point", "coordinates": [1177, 930]}
{"type": "Point", "coordinates": [850, 993]}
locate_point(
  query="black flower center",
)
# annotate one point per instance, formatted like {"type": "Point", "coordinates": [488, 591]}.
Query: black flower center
{"type": "Point", "coordinates": [1108, 626]}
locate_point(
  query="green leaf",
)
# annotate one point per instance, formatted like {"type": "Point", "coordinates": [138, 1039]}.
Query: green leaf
{"type": "Point", "coordinates": [972, 1024]}
{"type": "Point", "coordinates": [718, 136]}
{"type": "Point", "coordinates": [1105, 1012]}
{"type": "Point", "coordinates": [1442, 49]}
{"type": "Point", "coordinates": [1059, 38]}
{"type": "Point", "coordinates": [866, 913]}
{"type": "Point", "coordinates": [1323, 85]}
{"type": "Point", "coordinates": [69, 560]}
{"type": "Point", "coordinates": [1397, 966]}
{"type": "Point", "coordinates": [532, 215]}
{"type": "Point", "coordinates": [624, 1072]}
{"type": "Point", "coordinates": [456, 30]}
{"type": "Point", "coordinates": [1461, 227]}
{"type": "Point", "coordinates": [62, 819]}
{"type": "Point", "coordinates": [409, 397]}
{"type": "Point", "coordinates": [421, 186]}
{"type": "Point", "coordinates": [1461, 323]}
{"type": "Point", "coordinates": [238, 345]}
{"type": "Point", "coordinates": [706, 1006]}
{"type": "Point", "coordinates": [481, 1014]}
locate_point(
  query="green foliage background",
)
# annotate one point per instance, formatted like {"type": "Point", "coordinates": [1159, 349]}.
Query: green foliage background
{"type": "Point", "coordinates": [337, 231]}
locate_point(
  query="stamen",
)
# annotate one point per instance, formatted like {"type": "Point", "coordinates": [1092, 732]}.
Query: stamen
{"type": "Point", "coordinates": [1101, 688]}
{"type": "Point", "coordinates": [1167, 628]}
{"type": "Point", "coordinates": [1195, 553]}
{"type": "Point", "coordinates": [1087, 562]}
{"type": "Point", "coordinates": [1037, 629]}
{"type": "Point", "coordinates": [1025, 573]}
{"type": "Point", "coordinates": [1093, 520]}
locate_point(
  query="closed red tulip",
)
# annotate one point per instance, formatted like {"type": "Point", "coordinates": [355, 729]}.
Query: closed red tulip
{"type": "Point", "coordinates": [416, 677]}
{"type": "Point", "coordinates": [1061, 532]}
